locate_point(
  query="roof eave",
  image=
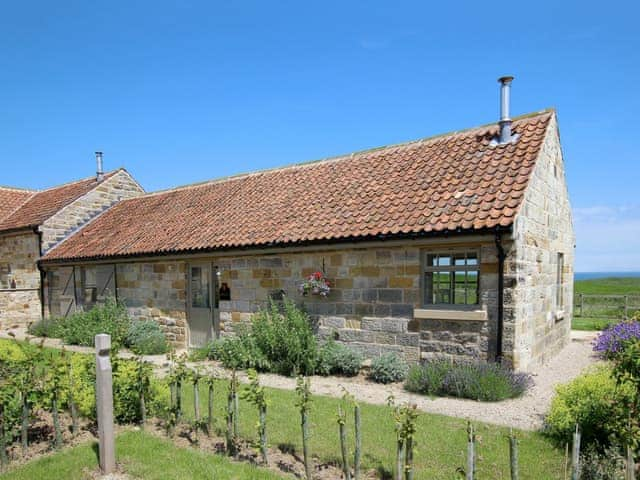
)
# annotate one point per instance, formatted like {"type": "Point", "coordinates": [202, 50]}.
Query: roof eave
{"type": "Point", "coordinates": [262, 246]}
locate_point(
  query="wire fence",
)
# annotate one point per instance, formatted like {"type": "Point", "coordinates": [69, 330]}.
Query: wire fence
{"type": "Point", "coordinates": [606, 306]}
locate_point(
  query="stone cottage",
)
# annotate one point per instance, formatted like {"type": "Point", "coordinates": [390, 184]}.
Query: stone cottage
{"type": "Point", "coordinates": [33, 222]}
{"type": "Point", "coordinates": [458, 245]}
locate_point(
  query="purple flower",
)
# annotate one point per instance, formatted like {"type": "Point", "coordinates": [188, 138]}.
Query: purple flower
{"type": "Point", "coordinates": [613, 338]}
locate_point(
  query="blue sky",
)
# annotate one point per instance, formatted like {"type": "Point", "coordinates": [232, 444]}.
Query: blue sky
{"type": "Point", "coordinates": [186, 91]}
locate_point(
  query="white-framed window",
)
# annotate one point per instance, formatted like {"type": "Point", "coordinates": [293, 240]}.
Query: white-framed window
{"type": "Point", "coordinates": [451, 278]}
{"type": "Point", "coordinates": [560, 282]}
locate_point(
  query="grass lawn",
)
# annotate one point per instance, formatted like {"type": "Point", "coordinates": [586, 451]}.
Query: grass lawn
{"type": "Point", "coordinates": [142, 456]}
{"type": "Point", "coordinates": [593, 324]}
{"type": "Point", "coordinates": [441, 441]}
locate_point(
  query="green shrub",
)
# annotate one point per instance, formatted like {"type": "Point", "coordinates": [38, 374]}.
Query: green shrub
{"type": "Point", "coordinates": [278, 339]}
{"type": "Point", "coordinates": [82, 327]}
{"type": "Point", "coordinates": [48, 327]}
{"type": "Point", "coordinates": [388, 368]}
{"type": "Point", "coordinates": [206, 352]}
{"type": "Point", "coordinates": [589, 400]}
{"type": "Point", "coordinates": [285, 338]}
{"type": "Point", "coordinates": [601, 465]}
{"type": "Point", "coordinates": [338, 359]}
{"type": "Point", "coordinates": [126, 397]}
{"type": "Point", "coordinates": [239, 352]}
{"type": "Point", "coordinates": [482, 381]}
{"type": "Point", "coordinates": [145, 337]}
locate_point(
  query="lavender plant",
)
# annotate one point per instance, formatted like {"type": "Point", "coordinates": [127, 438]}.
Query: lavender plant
{"type": "Point", "coordinates": [482, 381]}
{"type": "Point", "coordinates": [613, 339]}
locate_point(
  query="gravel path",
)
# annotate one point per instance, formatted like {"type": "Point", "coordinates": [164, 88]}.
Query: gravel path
{"type": "Point", "coordinates": [526, 412]}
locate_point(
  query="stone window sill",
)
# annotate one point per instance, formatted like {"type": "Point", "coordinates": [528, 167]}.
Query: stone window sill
{"type": "Point", "coordinates": [441, 314]}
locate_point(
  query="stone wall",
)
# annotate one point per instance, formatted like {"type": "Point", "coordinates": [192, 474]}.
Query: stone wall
{"type": "Point", "coordinates": [156, 291]}
{"type": "Point", "coordinates": [375, 291]}
{"type": "Point", "coordinates": [78, 213]}
{"type": "Point", "coordinates": [371, 305]}
{"type": "Point", "coordinates": [543, 228]}
{"type": "Point", "coordinates": [20, 305]}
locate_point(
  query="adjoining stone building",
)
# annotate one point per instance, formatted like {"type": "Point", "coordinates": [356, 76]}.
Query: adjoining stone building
{"type": "Point", "coordinates": [459, 245]}
{"type": "Point", "coordinates": [32, 222]}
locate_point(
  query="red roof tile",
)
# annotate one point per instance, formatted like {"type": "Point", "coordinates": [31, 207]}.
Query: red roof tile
{"type": "Point", "coordinates": [43, 204]}
{"type": "Point", "coordinates": [446, 183]}
{"type": "Point", "coordinates": [11, 199]}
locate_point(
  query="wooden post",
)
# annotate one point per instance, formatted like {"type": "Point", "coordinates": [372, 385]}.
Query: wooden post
{"type": "Point", "coordinates": [343, 443]}
{"type": "Point", "coordinates": [210, 408]}
{"type": "Point", "coordinates": [104, 404]}
{"type": "Point", "coordinates": [4, 459]}
{"type": "Point", "coordinates": [582, 304]}
{"type": "Point", "coordinates": [513, 454]}
{"type": "Point", "coordinates": [471, 453]}
{"type": "Point", "coordinates": [626, 307]}
{"type": "Point", "coordinates": [575, 455]}
{"type": "Point", "coordinates": [357, 453]}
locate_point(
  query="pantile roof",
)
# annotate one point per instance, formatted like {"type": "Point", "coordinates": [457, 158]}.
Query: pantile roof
{"type": "Point", "coordinates": [42, 205]}
{"type": "Point", "coordinates": [11, 199]}
{"type": "Point", "coordinates": [453, 182]}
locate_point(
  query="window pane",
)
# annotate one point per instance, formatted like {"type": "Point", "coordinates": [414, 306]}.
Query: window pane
{"type": "Point", "coordinates": [459, 259]}
{"type": "Point", "coordinates": [472, 259]}
{"type": "Point", "coordinates": [199, 288]}
{"type": "Point", "coordinates": [442, 290]}
{"type": "Point", "coordinates": [472, 287]}
{"type": "Point", "coordinates": [444, 260]}
{"type": "Point", "coordinates": [432, 260]}
{"type": "Point", "coordinates": [428, 287]}
{"type": "Point", "coordinates": [559, 282]}
{"type": "Point", "coordinates": [460, 289]}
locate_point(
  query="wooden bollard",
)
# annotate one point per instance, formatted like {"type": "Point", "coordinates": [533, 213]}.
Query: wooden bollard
{"type": "Point", "coordinates": [104, 404]}
{"type": "Point", "coordinates": [575, 455]}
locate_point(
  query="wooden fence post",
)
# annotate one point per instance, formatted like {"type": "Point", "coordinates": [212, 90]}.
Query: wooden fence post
{"type": "Point", "coordinates": [104, 404]}
{"type": "Point", "coordinates": [513, 455]}
{"type": "Point", "coordinates": [471, 452]}
{"type": "Point", "coordinates": [575, 455]}
{"type": "Point", "coordinates": [582, 304]}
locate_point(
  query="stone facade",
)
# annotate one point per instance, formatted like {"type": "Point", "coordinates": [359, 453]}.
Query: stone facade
{"type": "Point", "coordinates": [156, 291]}
{"type": "Point", "coordinates": [375, 293]}
{"type": "Point", "coordinates": [19, 279]}
{"type": "Point", "coordinates": [538, 327]}
{"type": "Point", "coordinates": [371, 306]}
{"type": "Point", "coordinates": [78, 213]}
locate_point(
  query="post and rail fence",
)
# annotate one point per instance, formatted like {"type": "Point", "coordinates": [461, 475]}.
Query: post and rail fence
{"type": "Point", "coordinates": [614, 307]}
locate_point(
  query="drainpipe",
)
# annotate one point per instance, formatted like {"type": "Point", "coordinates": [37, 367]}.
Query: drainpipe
{"type": "Point", "coordinates": [37, 231]}
{"type": "Point", "coordinates": [500, 327]}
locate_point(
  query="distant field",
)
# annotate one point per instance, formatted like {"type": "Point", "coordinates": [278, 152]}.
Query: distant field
{"type": "Point", "coordinates": [608, 286]}
{"type": "Point", "coordinates": [597, 309]}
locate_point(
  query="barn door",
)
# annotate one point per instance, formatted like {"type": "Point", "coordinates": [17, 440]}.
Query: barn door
{"type": "Point", "coordinates": [105, 282]}
{"type": "Point", "coordinates": [67, 289]}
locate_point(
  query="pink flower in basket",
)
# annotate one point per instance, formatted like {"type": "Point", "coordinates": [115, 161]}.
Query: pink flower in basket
{"type": "Point", "coordinates": [315, 284]}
